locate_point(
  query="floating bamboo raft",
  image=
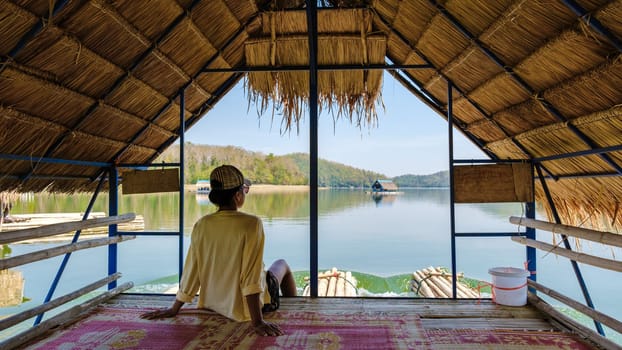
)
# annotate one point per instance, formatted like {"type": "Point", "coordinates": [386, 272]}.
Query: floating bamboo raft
{"type": "Point", "coordinates": [436, 283]}
{"type": "Point", "coordinates": [25, 221]}
{"type": "Point", "coordinates": [334, 283]}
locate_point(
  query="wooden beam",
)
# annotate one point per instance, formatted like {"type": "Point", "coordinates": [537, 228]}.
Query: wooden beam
{"type": "Point", "coordinates": [51, 252]}
{"type": "Point", "coordinates": [584, 233]}
{"type": "Point", "coordinates": [572, 324]}
{"type": "Point", "coordinates": [595, 315]}
{"type": "Point", "coordinates": [608, 264]}
{"type": "Point", "coordinates": [67, 317]}
{"type": "Point", "coordinates": [17, 318]}
{"type": "Point", "coordinates": [64, 227]}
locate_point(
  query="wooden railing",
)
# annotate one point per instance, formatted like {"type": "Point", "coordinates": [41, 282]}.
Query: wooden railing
{"type": "Point", "coordinates": [73, 312]}
{"type": "Point", "coordinates": [605, 238]}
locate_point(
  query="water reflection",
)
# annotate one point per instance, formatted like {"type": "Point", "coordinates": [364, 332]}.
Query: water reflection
{"type": "Point", "coordinates": [382, 199]}
{"type": "Point", "coordinates": [11, 283]}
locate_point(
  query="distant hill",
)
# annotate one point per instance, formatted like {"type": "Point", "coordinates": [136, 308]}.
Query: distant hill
{"type": "Point", "coordinates": [289, 169]}
{"type": "Point", "coordinates": [439, 179]}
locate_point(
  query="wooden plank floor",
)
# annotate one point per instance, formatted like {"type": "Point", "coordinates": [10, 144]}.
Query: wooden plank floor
{"type": "Point", "coordinates": [434, 313]}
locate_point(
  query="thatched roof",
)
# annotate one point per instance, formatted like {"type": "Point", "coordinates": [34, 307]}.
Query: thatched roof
{"type": "Point", "coordinates": [100, 81]}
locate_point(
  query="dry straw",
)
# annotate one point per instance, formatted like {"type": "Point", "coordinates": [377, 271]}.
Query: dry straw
{"type": "Point", "coordinates": [344, 38]}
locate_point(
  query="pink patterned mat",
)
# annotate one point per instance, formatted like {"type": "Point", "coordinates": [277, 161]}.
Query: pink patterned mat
{"type": "Point", "coordinates": [111, 328]}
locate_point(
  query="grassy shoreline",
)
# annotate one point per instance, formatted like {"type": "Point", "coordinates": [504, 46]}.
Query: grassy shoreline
{"type": "Point", "coordinates": [265, 188]}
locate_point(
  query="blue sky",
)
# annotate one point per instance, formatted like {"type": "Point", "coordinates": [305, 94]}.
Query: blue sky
{"type": "Point", "coordinates": [410, 138]}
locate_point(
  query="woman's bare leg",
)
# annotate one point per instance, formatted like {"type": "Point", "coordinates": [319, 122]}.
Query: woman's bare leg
{"type": "Point", "coordinates": [282, 272]}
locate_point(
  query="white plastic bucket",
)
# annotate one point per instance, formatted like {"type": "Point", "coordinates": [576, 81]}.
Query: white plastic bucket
{"type": "Point", "coordinates": [509, 285]}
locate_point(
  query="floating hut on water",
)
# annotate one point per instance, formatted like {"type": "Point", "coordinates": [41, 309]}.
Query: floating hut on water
{"type": "Point", "coordinates": [93, 89]}
{"type": "Point", "coordinates": [203, 186]}
{"type": "Point", "coordinates": [384, 187]}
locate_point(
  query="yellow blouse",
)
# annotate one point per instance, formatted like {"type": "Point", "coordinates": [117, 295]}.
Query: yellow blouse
{"type": "Point", "coordinates": [225, 261]}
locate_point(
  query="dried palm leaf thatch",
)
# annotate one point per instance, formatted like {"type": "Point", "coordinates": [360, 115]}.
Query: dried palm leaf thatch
{"type": "Point", "coordinates": [412, 18]}
{"type": "Point", "coordinates": [472, 67]}
{"type": "Point", "coordinates": [214, 18]}
{"type": "Point", "coordinates": [486, 130]}
{"type": "Point", "coordinates": [609, 16]}
{"type": "Point", "coordinates": [521, 28]}
{"type": "Point", "coordinates": [524, 116]}
{"type": "Point", "coordinates": [583, 202]}
{"type": "Point", "coordinates": [14, 20]}
{"type": "Point", "coordinates": [499, 92]}
{"type": "Point", "coordinates": [433, 42]}
{"type": "Point", "coordinates": [477, 15]}
{"type": "Point", "coordinates": [588, 93]}
{"type": "Point", "coordinates": [570, 54]}
{"type": "Point", "coordinates": [604, 126]}
{"type": "Point", "coordinates": [591, 203]}
{"type": "Point", "coordinates": [343, 21]}
{"type": "Point", "coordinates": [387, 8]}
{"type": "Point", "coordinates": [355, 93]}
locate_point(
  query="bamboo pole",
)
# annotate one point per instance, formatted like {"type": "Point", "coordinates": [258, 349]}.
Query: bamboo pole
{"type": "Point", "coordinates": [424, 289]}
{"type": "Point", "coordinates": [350, 285]}
{"type": "Point", "coordinates": [436, 291]}
{"type": "Point", "coordinates": [591, 235]}
{"type": "Point", "coordinates": [438, 281]}
{"type": "Point", "coordinates": [64, 227]}
{"type": "Point", "coordinates": [17, 318]}
{"type": "Point", "coordinates": [574, 325]}
{"type": "Point", "coordinates": [444, 279]}
{"type": "Point", "coordinates": [341, 285]}
{"type": "Point", "coordinates": [51, 252]}
{"type": "Point", "coordinates": [332, 286]}
{"type": "Point", "coordinates": [468, 292]}
{"type": "Point", "coordinates": [595, 315]}
{"type": "Point", "coordinates": [67, 317]}
{"type": "Point", "coordinates": [608, 264]}
{"type": "Point", "coordinates": [323, 286]}
{"type": "Point", "coordinates": [440, 273]}
{"type": "Point", "coordinates": [332, 283]}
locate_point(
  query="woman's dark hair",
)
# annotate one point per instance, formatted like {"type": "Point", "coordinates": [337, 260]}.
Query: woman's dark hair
{"type": "Point", "coordinates": [223, 198]}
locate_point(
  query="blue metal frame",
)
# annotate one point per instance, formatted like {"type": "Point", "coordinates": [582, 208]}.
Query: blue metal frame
{"type": "Point", "coordinates": [182, 132]}
{"type": "Point", "coordinates": [452, 204]}
{"type": "Point", "coordinates": [313, 147]}
{"type": "Point", "coordinates": [54, 160]}
{"type": "Point", "coordinates": [323, 67]}
{"type": "Point", "coordinates": [113, 210]}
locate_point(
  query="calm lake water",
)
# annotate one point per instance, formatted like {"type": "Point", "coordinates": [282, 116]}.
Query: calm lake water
{"type": "Point", "coordinates": [387, 236]}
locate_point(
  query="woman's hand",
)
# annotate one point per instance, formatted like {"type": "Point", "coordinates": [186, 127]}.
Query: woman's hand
{"type": "Point", "coordinates": [162, 313]}
{"type": "Point", "coordinates": [267, 329]}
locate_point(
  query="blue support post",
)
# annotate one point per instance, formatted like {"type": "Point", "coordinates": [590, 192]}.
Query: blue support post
{"type": "Point", "coordinates": [113, 210]}
{"type": "Point", "coordinates": [313, 147]}
{"type": "Point", "coordinates": [530, 212]}
{"type": "Point", "coordinates": [452, 205]}
{"type": "Point", "coordinates": [182, 131]}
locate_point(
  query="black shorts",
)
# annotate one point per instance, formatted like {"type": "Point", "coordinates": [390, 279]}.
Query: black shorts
{"type": "Point", "coordinates": [273, 288]}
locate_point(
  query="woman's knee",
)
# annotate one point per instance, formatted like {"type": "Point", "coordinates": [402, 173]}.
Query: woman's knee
{"type": "Point", "coordinates": [280, 267]}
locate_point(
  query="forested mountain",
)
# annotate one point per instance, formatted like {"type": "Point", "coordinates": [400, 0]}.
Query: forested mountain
{"type": "Point", "coordinates": [439, 179]}
{"type": "Point", "coordinates": [289, 169]}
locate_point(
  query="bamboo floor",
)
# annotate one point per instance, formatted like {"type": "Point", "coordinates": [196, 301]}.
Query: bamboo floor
{"type": "Point", "coordinates": [435, 314]}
